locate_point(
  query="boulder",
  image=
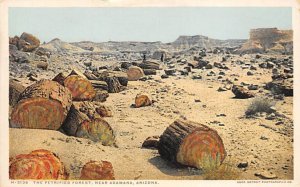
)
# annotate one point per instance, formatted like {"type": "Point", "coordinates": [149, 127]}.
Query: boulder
{"type": "Point", "coordinates": [28, 42]}
{"type": "Point", "coordinates": [241, 93]}
{"type": "Point", "coordinates": [142, 100]}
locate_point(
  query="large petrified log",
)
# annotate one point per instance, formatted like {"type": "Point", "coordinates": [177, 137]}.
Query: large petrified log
{"type": "Point", "coordinates": [81, 88]}
{"type": "Point", "coordinates": [43, 105]}
{"type": "Point", "coordinates": [15, 90]}
{"type": "Point", "coordinates": [94, 170]}
{"type": "Point", "coordinates": [84, 121]}
{"type": "Point", "coordinates": [192, 144]}
{"type": "Point", "coordinates": [38, 165]}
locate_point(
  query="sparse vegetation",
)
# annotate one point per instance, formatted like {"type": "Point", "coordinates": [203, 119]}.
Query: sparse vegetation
{"type": "Point", "coordinates": [260, 104]}
{"type": "Point", "coordinates": [215, 171]}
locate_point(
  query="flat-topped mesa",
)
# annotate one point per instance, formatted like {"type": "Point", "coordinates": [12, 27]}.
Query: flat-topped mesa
{"type": "Point", "coordinates": [270, 40]}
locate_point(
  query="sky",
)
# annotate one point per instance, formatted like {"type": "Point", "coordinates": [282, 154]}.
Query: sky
{"type": "Point", "coordinates": [144, 24]}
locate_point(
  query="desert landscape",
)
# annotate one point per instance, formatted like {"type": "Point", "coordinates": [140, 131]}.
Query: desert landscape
{"type": "Point", "coordinates": [153, 110]}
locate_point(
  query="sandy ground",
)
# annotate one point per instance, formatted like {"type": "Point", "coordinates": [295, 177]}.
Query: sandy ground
{"type": "Point", "coordinates": [261, 143]}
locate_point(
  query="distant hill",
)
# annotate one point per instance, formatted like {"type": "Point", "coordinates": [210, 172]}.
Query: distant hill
{"type": "Point", "coordinates": [269, 40]}
{"type": "Point", "coordinates": [56, 45]}
{"type": "Point", "coordinates": [203, 41]}
{"type": "Point", "coordinates": [261, 40]}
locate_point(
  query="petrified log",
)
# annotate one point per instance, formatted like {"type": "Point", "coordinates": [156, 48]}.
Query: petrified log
{"type": "Point", "coordinates": [38, 165]}
{"type": "Point", "coordinates": [125, 65]}
{"type": "Point", "coordinates": [114, 85]}
{"type": "Point", "coordinates": [101, 85]}
{"type": "Point", "coordinates": [43, 105]}
{"type": "Point", "coordinates": [134, 73]}
{"type": "Point", "coordinates": [81, 88]}
{"type": "Point", "coordinates": [121, 76]}
{"type": "Point", "coordinates": [74, 119]}
{"type": "Point", "coordinates": [149, 71]}
{"type": "Point", "coordinates": [83, 121]}
{"type": "Point", "coordinates": [142, 100]}
{"type": "Point", "coordinates": [89, 75]}
{"type": "Point", "coordinates": [170, 71]}
{"type": "Point", "coordinates": [60, 78]}
{"type": "Point", "coordinates": [15, 90]}
{"type": "Point", "coordinates": [192, 144]}
{"type": "Point", "coordinates": [241, 93]}
{"type": "Point", "coordinates": [94, 170]}
{"type": "Point", "coordinates": [150, 65]}
{"type": "Point", "coordinates": [77, 72]}
{"type": "Point", "coordinates": [97, 130]}
{"type": "Point", "coordinates": [101, 95]}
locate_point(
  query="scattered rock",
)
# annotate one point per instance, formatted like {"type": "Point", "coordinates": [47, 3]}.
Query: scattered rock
{"type": "Point", "coordinates": [265, 175]}
{"type": "Point", "coordinates": [142, 100]}
{"type": "Point", "coordinates": [94, 170]}
{"type": "Point", "coordinates": [151, 142]}
{"type": "Point", "coordinates": [242, 165]}
{"type": "Point", "coordinates": [241, 93]}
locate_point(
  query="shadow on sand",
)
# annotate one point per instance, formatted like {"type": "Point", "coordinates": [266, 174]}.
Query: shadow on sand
{"type": "Point", "coordinates": [173, 169]}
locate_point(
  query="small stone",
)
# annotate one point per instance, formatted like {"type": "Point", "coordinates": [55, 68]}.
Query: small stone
{"type": "Point", "coordinates": [221, 89]}
{"type": "Point", "coordinates": [271, 116]}
{"type": "Point", "coordinates": [197, 100]}
{"type": "Point", "coordinates": [249, 73]}
{"type": "Point", "coordinates": [253, 87]}
{"type": "Point", "coordinates": [164, 76]}
{"type": "Point", "coordinates": [279, 123]}
{"type": "Point", "coordinates": [265, 175]}
{"type": "Point", "coordinates": [197, 77]}
{"type": "Point", "coordinates": [264, 138]}
{"type": "Point", "coordinates": [242, 165]}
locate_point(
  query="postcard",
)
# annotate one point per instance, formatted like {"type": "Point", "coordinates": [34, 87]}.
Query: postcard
{"type": "Point", "coordinates": [150, 93]}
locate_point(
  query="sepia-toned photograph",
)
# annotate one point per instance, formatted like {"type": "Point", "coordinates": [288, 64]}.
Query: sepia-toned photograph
{"type": "Point", "coordinates": [150, 93]}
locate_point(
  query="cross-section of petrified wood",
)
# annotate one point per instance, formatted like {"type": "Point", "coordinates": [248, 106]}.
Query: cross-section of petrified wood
{"type": "Point", "coordinates": [43, 105]}
{"type": "Point", "coordinates": [81, 88]}
{"type": "Point", "coordinates": [192, 144]}
{"type": "Point", "coordinates": [84, 121]}
{"type": "Point", "coordinates": [95, 170]}
{"type": "Point", "coordinates": [134, 73]}
{"type": "Point", "coordinates": [97, 130]}
{"type": "Point", "coordinates": [15, 89]}
{"type": "Point", "coordinates": [38, 165]}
